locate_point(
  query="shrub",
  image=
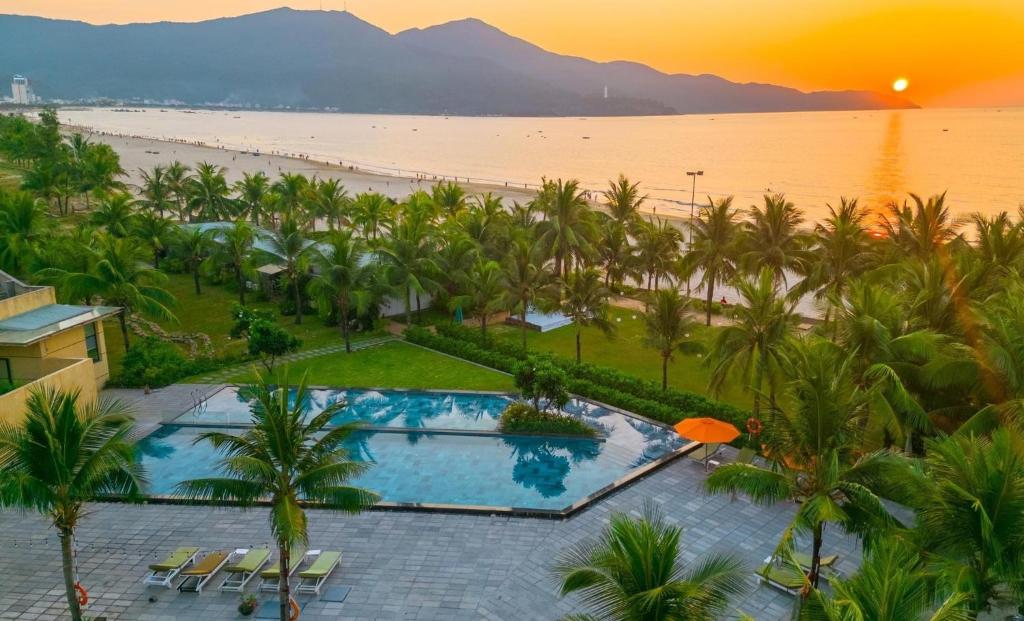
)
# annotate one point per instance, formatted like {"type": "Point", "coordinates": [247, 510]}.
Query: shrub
{"type": "Point", "coordinates": [542, 381]}
{"type": "Point", "coordinates": [244, 316]}
{"type": "Point", "coordinates": [268, 341]}
{"type": "Point", "coordinates": [155, 363]}
{"type": "Point", "coordinates": [521, 417]}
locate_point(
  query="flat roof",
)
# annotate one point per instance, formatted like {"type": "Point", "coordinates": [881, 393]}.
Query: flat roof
{"type": "Point", "coordinates": [39, 323]}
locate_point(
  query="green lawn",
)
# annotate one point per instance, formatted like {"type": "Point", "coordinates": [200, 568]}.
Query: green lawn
{"type": "Point", "coordinates": [10, 176]}
{"type": "Point", "coordinates": [392, 365]}
{"type": "Point", "coordinates": [625, 351]}
{"type": "Point", "coordinates": [210, 313]}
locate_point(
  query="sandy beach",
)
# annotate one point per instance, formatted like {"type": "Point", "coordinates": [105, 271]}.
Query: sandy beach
{"type": "Point", "coordinates": [145, 153]}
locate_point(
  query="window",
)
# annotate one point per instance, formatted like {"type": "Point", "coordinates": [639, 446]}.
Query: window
{"type": "Point", "coordinates": [92, 343]}
{"type": "Point", "coordinates": [5, 371]}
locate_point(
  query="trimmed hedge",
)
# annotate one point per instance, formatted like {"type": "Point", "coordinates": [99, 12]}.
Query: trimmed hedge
{"type": "Point", "coordinates": [522, 418]}
{"type": "Point", "coordinates": [588, 380]}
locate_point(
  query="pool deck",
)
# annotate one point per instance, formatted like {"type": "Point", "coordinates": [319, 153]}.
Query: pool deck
{"type": "Point", "coordinates": [400, 565]}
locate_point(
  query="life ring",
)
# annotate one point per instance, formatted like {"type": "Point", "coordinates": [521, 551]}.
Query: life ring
{"type": "Point", "coordinates": [754, 426]}
{"type": "Point", "coordinates": [83, 595]}
{"type": "Point", "coordinates": [295, 609]}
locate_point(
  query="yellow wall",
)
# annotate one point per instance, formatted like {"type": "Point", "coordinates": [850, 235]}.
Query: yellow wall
{"type": "Point", "coordinates": [25, 302]}
{"type": "Point", "coordinates": [73, 375]}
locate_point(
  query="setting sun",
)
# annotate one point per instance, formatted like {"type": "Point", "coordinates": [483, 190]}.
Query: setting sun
{"type": "Point", "coordinates": [900, 85]}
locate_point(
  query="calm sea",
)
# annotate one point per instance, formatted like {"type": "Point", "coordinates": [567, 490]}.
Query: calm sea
{"type": "Point", "coordinates": [814, 157]}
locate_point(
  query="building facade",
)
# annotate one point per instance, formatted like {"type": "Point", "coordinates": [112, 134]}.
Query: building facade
{"type": "Point", "coordinates": [21, 91]}
{"type": "Point", "coordinates": [48, 345]}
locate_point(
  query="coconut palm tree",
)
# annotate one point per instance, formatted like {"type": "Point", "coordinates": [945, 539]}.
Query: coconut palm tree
{"type": "Point", "coordinates": [234, 248]}
{"type": "Point", "coordinates": [449, 197]}
{"type": "Point", "coordinates": [922, 230]}
{"type": "Point", "coordinates": [330, 201]}
{"type": "Point", "coordinates": [343, 279]}
{"type": "Point", "coordinates": [755, 342]}
{"type": "Point", "coordinates": [290, 193]}
{"type": "Point", "coordinates": [208, 193]}
{"type": "Point", "coordinates": [772, 238]}
{"type": "Point", "coordinates": [115, 213]}
{"type": "Point", "coordinates": [568, 228]}
{"type": "Point", "coordinates": [893, 583]}
{"type": "Point", "coordinates": [667, 328]}
{"type": "Point", "coordinates": [195, 245]}
{"type": "Point", "coordinates": [155, 190]}
{"type": "Point", "coordinates": [252, 191]}
{"type": "Point", "coordinates": [657, 246]}
{"type": "Point", "coordinates": [410, 263]}
{"type": "Point", "coordinates": [1000, 243]}
{"type": "Point", "coordinates": [585, 301]}
{"type": "Point", "coordinates": [154, 231]}
{"type": "Point", "coordinates": [623, 200]}
{"type": "Point", "coordinates": [484, 292]}
{"type": "Point", "coordinates": [371, 212]}
{"type": "Point", "coordinates": [288, 245]}
{"type": "Point", "coordinates": [288, 458]}
{"type": "Point", "coordinates": [178, 180]}
{"type": "Point", "coordinates": [62, 455]}
{"type": "Point", "coordinates": [118, 275]}
{"type": "Point", "coordinates": [815, 446]}
{"type": "Point", "coordinates": [24, 225]}
{"type": "Point", "coordinates": [526, 280]}
{"type": "Point", "coordinates": [633, 570]}
{"type": "Point", "coordinates": [713, 248]}
{"type": "Point", "coordinates": [616, 255]}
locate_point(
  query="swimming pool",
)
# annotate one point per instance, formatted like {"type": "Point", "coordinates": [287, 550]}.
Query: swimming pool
{"type": "Point", "coordinates": [438, 449]}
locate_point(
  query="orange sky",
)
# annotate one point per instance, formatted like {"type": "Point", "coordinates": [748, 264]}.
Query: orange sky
{"type": "Point", "coordinates": [966, 52]}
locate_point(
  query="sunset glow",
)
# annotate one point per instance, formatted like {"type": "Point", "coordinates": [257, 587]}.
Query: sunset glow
{"type": "Point", "coordinates": [900, 85]}
{"type": "Point", "coordinates": [960, 53]}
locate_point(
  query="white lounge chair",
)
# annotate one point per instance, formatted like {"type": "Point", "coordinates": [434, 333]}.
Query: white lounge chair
{"type": "Point", "coordinates": [314, 577]}
{"type": "Point", "coordinates": [269, 577]}
{"type": "Point", "coordinates": [202, 571]}
{"type": "Point", "coordinates": [164, 572]}
{"type": "Point", "coordinates": [241, 571]}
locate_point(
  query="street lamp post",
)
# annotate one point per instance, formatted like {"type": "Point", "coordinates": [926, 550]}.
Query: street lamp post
{"type": "Point", "coordinates": [693, 199]}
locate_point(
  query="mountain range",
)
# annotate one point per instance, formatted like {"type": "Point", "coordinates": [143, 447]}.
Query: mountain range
{"type": "Point", "coordinates": [334, 60]}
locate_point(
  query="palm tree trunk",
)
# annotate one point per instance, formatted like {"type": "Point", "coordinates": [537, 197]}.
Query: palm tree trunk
{"type": "Point", "coordinates": [664, 371]}
{"type": "Point", "coordinates": [283, 588]}
{"type": "Point", "coordinates": [711, 293]}
{"type": "Point", "coordinates": [814, 574]}
{"type": "Point", "coordinates": [578, 356]}
{"type": "Point", "coordinates": [408, 308]}
{"type": "Point", "coordinates": [241, 285]}
{"type": "Point", "coordinates": [483, 326]}
{"type": "Point", "coordinates": [298, 300]}
{"type": "Point", "coordinates": [68, 561]}
{"type": "Point", "coordinates": [343, 320]}
{"type": "Point", "coordinates": [522, 325]}
{"type": "Point", "coordinates": [156, 258]}
{"type": "Point", "coordinates": [419, 309]}
{"type": "Point", "coordinates": [195, 279]}
{"type": "Point", "coordinates": [758, 380]}
{"type": "Point", "coordinates": [123, 319]}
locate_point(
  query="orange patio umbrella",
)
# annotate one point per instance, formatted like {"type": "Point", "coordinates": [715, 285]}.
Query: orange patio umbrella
{"type": "Point", "coordinates": [706, 430]}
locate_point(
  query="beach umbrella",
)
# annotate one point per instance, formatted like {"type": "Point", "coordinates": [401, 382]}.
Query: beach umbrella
{"type": "Point", "coordinates": [706, 430]}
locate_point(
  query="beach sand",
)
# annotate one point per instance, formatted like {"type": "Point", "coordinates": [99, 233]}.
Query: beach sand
{"type": "Point", "coordinates": [145, 153]}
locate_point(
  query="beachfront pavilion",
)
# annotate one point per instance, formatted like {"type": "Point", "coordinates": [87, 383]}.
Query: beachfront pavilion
{"type": "Point", "coordinates": [397, 565]}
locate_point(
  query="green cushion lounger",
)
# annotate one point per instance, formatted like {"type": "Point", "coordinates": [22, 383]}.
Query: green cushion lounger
{"type": "Point", "coordinates": [826, 562]}
{"type": "Point", "coordinates": [783, 577]}
{"type": "Point", "coordinates": [241, 570]}
{"type": "Point", "coordinates": [269, 577]}
{"type": "Point", "coordinates": [313, 577]}
{"type": "Point", "coordinates": [164, 572]}
{"type": "Point", "coordinates": [202, 571]}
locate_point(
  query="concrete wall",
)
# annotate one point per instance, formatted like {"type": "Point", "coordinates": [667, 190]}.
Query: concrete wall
{"type": "Point", "coordinates": [27, 301]}
{"type": "Point", "coordinates": [63, 374]}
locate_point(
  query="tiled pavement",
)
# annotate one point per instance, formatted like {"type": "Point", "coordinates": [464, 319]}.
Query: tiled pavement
{"type": "Point", "coordinates": [400, 565]}
{"type": "Point", "coordinates": [221, 375]}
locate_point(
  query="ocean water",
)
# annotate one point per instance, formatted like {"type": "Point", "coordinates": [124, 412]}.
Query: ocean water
{"type": "Point", "coordinates": [977, 155]}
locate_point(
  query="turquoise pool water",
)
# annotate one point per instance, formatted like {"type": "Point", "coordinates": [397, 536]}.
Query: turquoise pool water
{"type": "Point", "coordinates": [464, 463]}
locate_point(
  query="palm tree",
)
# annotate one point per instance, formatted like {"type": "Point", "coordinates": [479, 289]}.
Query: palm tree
{"type": "Point", "coordinates": [1000, 242]}
{"type": "Point", "coordinates": [234, 249]}
{"type": "Point", "coordinates": [195, 244]}
{"type": "Point", "coordinates": [657, 245]}
{"type": "Point", "coordinates": [208, 193]}
{"type": "Point", "coordinates": [64, 454]}
{"type": "Point", "coordinates": [287, 458]}
{"type": "Point", "coordinates": [525, 278]}
{"type": "Point", "coordinates": [410, 265]}
{"type": "Point", "coordinates": [115, 214]}
{"type": "Point", "coordinates": [450, 197]}
{"type": "Point", "coordinates": [923, 230]}
{"type": "Point", "coordinates": [24, 225]}
{"type": "Point", "coordinates": [156, 190]}
{"type": "Point", "coordinates": [120, 278]}
{"type": "Point", "coordinates": [772, 237]}
{"type": "Point", "coordinates": [343, 279]}
{"type": "Point", "coordinates": [624, 199]}
{"type": "Point", "coordinates": [814, 445]}
{"type": "Point", "coordinates": [616, 255]}
{"type": "Point", "coordinates": [485, 292]}
{"type": "Point", "coordinates": [893, 583]}
{"type": "Point", "coordinates": [634, 571]}
{"type": "Point", "coordinates": [154, 231]}
{"type": "Point", "coordinates": [330, 201]}
{"type": "Point", "coordinates": [287, 244]}
{"type": "Point", "coordinates": [289, 191]}
{"type": "Point", "coordinates": [568, 227]}
{"type": "Point", "coordinates": [585, 301]}
{"type": "Point", "coordinates": [712, 250]}
{"type": "Point", "coordinates": [178, 180]}
{"type": "Point", "coordinates": [252, 192]}
{"type": "Point", "coordinates": [667, 325]}
{"type": "Point", "coordinates": [371, 212]}
{"type": "Point", "coordinates": [764, 325]}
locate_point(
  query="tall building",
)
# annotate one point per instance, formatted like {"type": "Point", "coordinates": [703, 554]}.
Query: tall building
{"type": "Point", "coordinates": [21, 91]}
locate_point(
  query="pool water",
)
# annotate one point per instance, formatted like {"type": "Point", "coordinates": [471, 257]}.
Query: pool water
{"type": "Point", "coordinates": [463, 463]}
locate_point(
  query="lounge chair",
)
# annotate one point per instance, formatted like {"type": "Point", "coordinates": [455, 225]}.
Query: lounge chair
{"type": "Point", "coordinates": [202, 571]}
{"type": "Point", "coordinates": [704, 454]}
{"type": "Point", "coordinates": [826, 562]}
{"type": "Point", "coordinates": [164, 572]}
{"type": "Point", "coordinates": [312, 578]}
{"type": "Point", "coordinates": [745, 456]}
{"type": "Point", "coordinates": [240, 572]}
{"type": "Point", "coordinates": [269, 577]}
{"type": "Point", "coordinates": [783, 577]}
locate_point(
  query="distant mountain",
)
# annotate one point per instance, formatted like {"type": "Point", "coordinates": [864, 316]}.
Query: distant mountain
{"type": "Point", "coordinates": [316, 59]}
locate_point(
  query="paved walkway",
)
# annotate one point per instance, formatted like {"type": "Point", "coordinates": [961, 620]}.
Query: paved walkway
{"type": "Point", "coordinates": [221, 376]}
{"type": "Point", "coordinates": [400, 565]}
